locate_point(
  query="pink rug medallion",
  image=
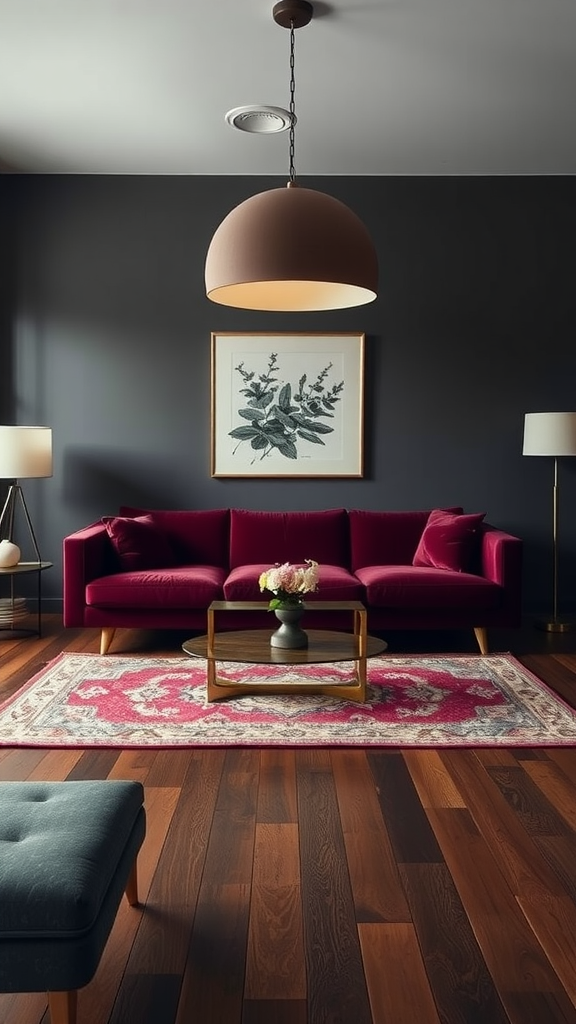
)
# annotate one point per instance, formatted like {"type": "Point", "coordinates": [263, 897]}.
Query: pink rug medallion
{"type": "Point", "coordinates": [85, 700]}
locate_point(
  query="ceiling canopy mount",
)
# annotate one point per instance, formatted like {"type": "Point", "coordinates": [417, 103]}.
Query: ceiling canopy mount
{"type": "Point", "coordinates": [292, 13]}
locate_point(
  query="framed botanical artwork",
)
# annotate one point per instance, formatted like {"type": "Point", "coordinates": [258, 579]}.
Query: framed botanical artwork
{"type": "Point", "coordinates": [287, 405]}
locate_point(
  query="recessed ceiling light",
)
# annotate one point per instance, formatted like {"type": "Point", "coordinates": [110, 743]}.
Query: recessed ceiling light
{"type": "Point", "coordinates": [260, 120]}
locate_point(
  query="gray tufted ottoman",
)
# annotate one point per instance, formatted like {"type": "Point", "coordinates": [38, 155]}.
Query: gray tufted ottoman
{"type": "Point", "coordinates": [67, 853]}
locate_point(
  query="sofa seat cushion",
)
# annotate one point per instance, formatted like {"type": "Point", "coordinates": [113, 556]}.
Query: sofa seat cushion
{"type": "Point", "coordinates": [187, 586]}
{"type": "Point", "coordinates": [272, 537]}
{"type": "Point", "coordinates": [334, 584]}
{"type": "Point", "coordinates": [401, 586]}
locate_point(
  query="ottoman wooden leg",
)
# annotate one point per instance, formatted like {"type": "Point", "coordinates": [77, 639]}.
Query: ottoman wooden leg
{"type": "Point", "coordinates": [132, 886]}
{"type": "Point", "coordinates": [63, 1007]}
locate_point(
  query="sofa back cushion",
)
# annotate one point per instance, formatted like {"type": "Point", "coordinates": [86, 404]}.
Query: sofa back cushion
{"type": "Point", "coordinates": [138, 543]}
{"type": "Point", "coordinates": [270, 537]}
{"type": "Point", "coordinates": [449, 541]}
{"type": "Point", "coordinates": [386, 538]}
{"type": "Point", "coordinates": [197, 536]}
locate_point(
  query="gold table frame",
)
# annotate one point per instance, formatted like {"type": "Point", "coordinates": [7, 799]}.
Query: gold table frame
{"type": "Point", "coordinates": [253, 647]}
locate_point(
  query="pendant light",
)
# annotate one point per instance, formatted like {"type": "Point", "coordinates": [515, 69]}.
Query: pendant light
{"type": "Point", "coordinates": [291, 248]}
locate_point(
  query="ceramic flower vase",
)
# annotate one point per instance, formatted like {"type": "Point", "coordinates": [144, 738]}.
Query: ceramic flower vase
{"type": "Point", "coordinates": [289, 635]}
{"type": "Point", "coordinates": [9, 554]}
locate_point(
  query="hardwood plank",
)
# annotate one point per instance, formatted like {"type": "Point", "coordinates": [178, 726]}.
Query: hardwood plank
{"type": "Point", "coordinates": [19, 763]}
{"type": "Point", "coordinates": [513, 956]}
{"type": "Point", "coordinates": [55, 766]}
{"type": "Point", "coordinates": [275, 1011]}
{"type": "Point", "coordinates": [565, 758]}
{"type": "Point", "coordinates": [457, 973]}
{"type": "Point", "coordinates": [519, 859]}
{"type": "Point", "coordinates": [162, 940]}
{"type": "Point", "coordinates": [133, 764]}
{"type": "Point", "coordinates": [213, 981]}
{"type": "Point", "coordinates": [231, 845]}
{"type": "Point", "coordinates": [550, 778]}
{"type": "Point", "coordinates": [559, 852]}
{"type": "Point", "coordinates": [146, 999]}
{"type": "Point", "coordinates": [95, 764]}
{"type": "Point", "coordinates": [397, 983]}
{"type": "Point", "coordinates": [214, 970]}
{"type": "Point", "coordinates": [277, 793]}
{"type": "Point", "coordinates": [540, 1008]}
{"type": "Point", "coordinates": [531, 753]}
{"type": "Point", "coordinates": [376, 887]}
{"type": "Point", "coordinates": [25, 1008]}
{"type": "Point", "coordinates": [275, 966]}
{"type": "Point", "coordinates": [434, 784]}
{"type": "Point", "coordinates": [410, 833]}
{"type": "Point", "coordinates": [496, 756]}
{"type": "Point", "coordinates": [537, 814]}
{"type": "Point", "coordinates": [553, 920]}
{"type": "Point", "coordinates": [336, 983]}
{"type": "Point", "coordinates": [170, 768]}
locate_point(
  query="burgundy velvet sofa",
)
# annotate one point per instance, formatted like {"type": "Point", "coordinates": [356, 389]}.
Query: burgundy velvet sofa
{"type": "Point", "coordinates": [161, 569]}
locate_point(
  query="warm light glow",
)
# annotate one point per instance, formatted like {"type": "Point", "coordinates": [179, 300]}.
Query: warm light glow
{"type": "Point", "coordinates": [291, 249]}
{"type": "Point", "coordinates": [291, 295]}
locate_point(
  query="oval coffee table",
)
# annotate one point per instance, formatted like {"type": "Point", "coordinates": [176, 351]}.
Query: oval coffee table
{"type": "Point", "coordinates": [252, 646]}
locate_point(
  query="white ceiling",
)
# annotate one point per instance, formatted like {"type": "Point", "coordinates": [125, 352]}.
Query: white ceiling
{"type": "Point", "coordinates": [382, 86]}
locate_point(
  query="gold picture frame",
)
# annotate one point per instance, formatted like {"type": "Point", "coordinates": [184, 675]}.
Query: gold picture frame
{"type": "Point", "coordinates": [287, 404]}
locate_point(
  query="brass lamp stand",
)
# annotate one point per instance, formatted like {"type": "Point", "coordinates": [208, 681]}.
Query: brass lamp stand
{"type": "Point", "coordinates": [553, 434]}
{"type": "Point", "coordinates": [555, 625]}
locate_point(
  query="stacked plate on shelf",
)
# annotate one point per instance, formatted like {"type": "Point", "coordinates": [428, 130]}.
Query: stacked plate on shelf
{"type": "Point", "coordinates": [12, 611]}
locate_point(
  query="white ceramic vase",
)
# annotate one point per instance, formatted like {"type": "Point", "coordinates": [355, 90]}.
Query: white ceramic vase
{"type": "Point", "coordinates": [9, 554]}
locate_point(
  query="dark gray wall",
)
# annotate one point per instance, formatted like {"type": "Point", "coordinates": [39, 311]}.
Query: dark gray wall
{"type": "Point", "coordinates": [475, 324]}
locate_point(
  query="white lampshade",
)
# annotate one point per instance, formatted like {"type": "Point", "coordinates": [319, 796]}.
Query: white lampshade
{"type": "Point", "coordinates": [549, 433]}
{"type": "Point", "coordinates": [25, 452]}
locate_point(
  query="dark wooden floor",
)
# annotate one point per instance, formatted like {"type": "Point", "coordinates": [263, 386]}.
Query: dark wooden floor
{"type": "Point", "coordinates": [326, 886]}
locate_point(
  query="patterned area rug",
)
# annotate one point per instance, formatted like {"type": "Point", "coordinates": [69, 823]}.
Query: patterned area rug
{"type": "Point", "coordinates": [84, 700]}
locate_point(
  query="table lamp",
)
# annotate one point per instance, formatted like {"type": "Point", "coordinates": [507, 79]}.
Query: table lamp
{"type": "Point", "coordinates": [552, 434]}
{"type": "Point", "coordinates": [25, 453]}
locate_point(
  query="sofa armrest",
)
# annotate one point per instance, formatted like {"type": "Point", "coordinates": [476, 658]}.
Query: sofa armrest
{"type": "Point", "coordinates": [501, 562]}
{"type": "Point", "coordinates": [87, 554]}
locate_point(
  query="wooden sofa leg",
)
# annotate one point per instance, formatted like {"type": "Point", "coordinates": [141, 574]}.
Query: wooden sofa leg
{"type": "Point", "coordinates": [63, 1007]}
{"type": "Point", "coordinates": [106, 638]}
{"type": "Point", "coordinates": [481, 634]}
{"type": "Point", "coordinates": [132, 886]}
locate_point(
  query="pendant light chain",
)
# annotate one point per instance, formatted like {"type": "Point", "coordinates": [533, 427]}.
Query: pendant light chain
{"type": "Point", "coordinates": [292, 102]}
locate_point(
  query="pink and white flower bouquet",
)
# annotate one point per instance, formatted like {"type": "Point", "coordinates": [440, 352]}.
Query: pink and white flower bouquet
{"type": "Point", "coordinates": [289, 583]}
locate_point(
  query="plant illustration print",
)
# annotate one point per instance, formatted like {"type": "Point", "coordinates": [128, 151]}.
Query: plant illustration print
{"type": "Point", "coordinates": [281, 418]}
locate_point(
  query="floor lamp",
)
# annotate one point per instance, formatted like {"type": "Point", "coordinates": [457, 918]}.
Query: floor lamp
{"type": "Point", "coordinates": [25, 453]}
{"type": "Point", "coordinates": [552, 434]}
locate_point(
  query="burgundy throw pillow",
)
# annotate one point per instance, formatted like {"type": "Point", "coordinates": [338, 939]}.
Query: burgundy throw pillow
{"type": "Point", "coordinates": [138, 543]}
{"type": "Point", "coordinates": [448, 540]}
